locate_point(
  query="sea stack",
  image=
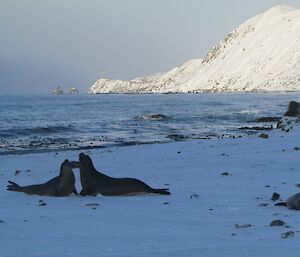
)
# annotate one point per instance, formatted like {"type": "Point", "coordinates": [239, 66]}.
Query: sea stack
{"type": "Point", "coordinates": [73, 90]}
{"type": "Point", "coordinates": [58, 91]}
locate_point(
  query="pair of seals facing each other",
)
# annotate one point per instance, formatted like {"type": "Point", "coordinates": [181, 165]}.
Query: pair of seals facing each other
{"type": "Point", "coordinates": [94, 182]}
{"type": "Point", "coordinates": [292, 202]}
{"type": "Point", "coordinates": [62, 185]}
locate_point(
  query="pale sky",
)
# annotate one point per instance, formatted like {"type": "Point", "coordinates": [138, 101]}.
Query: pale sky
{"type": "Point", "coordinates": [45, 44]}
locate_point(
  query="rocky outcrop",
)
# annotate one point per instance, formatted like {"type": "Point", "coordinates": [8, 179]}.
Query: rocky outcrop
{"type": "Point", "coordinates": [290, 118]}
{"type": "Point", "coordinates": [58, 91]}
{"type": "Point", "coordinates": [73, 90]}
{"type": "Point", "coordinates": [293, 110]}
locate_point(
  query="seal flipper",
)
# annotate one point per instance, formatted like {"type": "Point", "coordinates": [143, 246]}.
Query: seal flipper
{"type": "Point", "coordinates": [14, 187]}
{"type": "Point", "coordinates": [84, 192]}
{"type": "Point", "coordinates": [280, 204]}
{"type": "Point", "coordinates": [162, 191]}
{"type": "Point", "coordinates": [75, 191]}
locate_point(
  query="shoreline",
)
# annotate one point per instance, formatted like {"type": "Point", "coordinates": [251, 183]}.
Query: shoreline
{"type": "Point", "coordinates": [237, 133]}
{"type": "Point", "coordinates": [225, 92]}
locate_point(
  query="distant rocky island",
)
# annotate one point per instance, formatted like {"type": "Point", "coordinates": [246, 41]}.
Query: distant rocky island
{"type": "Point", "coordinates": [73, 90]}
{"type": "Point", "coordinates": [60, 91]}
{"type": "Point", "coordinates": [263, 54]}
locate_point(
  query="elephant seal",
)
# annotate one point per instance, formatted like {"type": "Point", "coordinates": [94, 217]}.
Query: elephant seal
{"type": "Point", "coordinates": [94, 182]}
{"type": "Point", "coordinates": [292, 202]}
{"type": "Point", "coordinates": [62, 185]}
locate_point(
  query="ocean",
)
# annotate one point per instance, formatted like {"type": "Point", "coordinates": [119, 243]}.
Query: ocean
{"type": "Point", "coordinates": [38, 123]}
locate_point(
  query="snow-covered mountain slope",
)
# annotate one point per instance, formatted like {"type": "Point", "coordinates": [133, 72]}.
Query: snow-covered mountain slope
{"type": "Point", "coordinates": [157, 83]}
{"type": "Point", "coordinates": [263, 54]}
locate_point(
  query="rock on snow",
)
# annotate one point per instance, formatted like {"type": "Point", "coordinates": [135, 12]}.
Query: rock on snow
{"type": "Point", "coordinates": [263, 54]}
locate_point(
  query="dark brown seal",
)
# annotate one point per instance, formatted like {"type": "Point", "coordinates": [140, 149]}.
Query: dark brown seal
{"type": "Point", "coordinates": [94, 182]}
{"type": "Point", "coordinates": [62, 185]}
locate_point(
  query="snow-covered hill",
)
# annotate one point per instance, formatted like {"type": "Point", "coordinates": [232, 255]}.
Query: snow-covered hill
{"type": "Point", "coordinates": [263, 54]}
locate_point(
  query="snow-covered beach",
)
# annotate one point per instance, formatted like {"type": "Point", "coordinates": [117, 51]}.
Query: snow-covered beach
{"type": "Point", "coordinates": [198, 219]}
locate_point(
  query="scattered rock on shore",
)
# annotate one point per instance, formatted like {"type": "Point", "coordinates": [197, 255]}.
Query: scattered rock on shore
{"type": "Point", "coordinates": [288, 234]}
{"type": "Point", "coordinates": [263, 135]}
{"type": "Point", "coordinates": [243, 226]}
{"type": "Point", "coordinates": [256, 128]}
{"type": "Point", "coordinates": [275, 197]}
{"type": "Point", "coordinates": [177, 137]}
{"type": "Point", "coordinates": [277, 223]}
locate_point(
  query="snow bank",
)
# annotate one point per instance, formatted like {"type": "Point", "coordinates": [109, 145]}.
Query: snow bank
{"type": "Point", "coordinates": [198, 219]}
{"type": "Point", "coordinates": [263, 54]}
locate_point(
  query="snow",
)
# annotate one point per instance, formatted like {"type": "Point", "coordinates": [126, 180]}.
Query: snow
{"type": "Point", "coordinates": [154, 225]}
{"type": "Point", "coordinates": [263, 54]}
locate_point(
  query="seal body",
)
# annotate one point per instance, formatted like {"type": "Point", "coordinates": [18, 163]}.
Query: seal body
{"type": "Point", "coordinates": [94, 182]}
{"type": "Point", "coordinates": [62, 185]}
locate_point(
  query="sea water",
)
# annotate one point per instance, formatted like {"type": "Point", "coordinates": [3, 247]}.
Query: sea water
{"type": "Point", "coordinates": [36, 123]}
